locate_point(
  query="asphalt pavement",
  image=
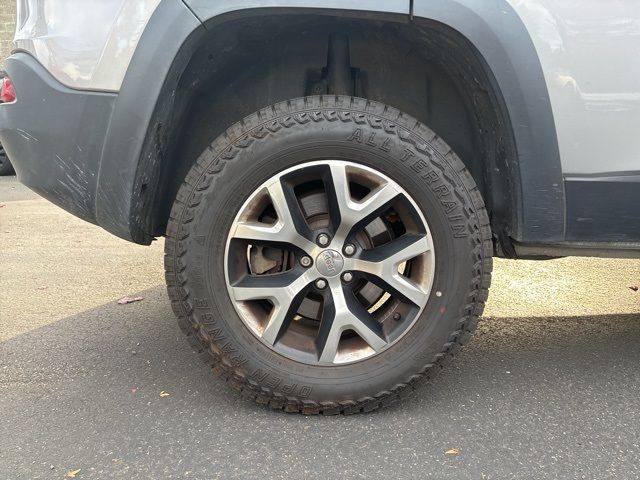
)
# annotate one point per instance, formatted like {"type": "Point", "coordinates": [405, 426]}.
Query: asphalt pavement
{"type": "Point", "coordinates": [549, 387]}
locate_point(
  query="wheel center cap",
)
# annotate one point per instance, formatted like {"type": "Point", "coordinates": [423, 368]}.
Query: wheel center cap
{"type": "Point", "coordinates": [329, 263]}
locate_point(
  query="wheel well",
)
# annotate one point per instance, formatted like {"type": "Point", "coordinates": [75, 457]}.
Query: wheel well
{"type": "Point", "coordinates": [423, 68]}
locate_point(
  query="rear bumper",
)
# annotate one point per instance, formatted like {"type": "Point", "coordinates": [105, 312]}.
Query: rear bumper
{"type": "Point", "coordinates": [55, 135]}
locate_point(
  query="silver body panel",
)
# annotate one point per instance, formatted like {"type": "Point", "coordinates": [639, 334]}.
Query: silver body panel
{"type": "Point", "coordinates": [84, 44]}
{"type": "Point", "coordinates": [589, 51]}
{"type": "Point", "coordinates": [590, 55]}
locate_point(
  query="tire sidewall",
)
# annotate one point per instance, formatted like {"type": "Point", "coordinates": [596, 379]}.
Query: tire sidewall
{"type": "Point", "coordinates": [225, 184]}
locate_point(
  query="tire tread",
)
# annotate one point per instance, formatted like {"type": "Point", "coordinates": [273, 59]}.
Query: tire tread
{"type": "Point", "coordinates": [224, 149]}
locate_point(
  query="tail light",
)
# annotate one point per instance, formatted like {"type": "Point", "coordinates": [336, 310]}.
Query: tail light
{"type": "Point", "coordinates": [7, 92]}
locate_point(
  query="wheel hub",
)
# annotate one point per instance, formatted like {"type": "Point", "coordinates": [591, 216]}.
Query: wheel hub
{"type": "Point", "coordinates": [329, 263]}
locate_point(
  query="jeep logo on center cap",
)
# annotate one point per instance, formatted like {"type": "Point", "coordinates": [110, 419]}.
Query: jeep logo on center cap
{"type": "Point", "coordinates": [329, 263]}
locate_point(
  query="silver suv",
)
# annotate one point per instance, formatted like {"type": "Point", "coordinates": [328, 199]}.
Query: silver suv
{"type": "Point", "coordinates": [333, 177]}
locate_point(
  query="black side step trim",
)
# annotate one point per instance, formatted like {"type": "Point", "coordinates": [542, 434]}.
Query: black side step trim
{"type": "Point", "coordinates": [577, 249]}
{"type": "Point", "coordinates": [603, 208]}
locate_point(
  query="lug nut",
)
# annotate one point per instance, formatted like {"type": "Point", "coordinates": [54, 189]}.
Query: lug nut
{"type": "Point", "coordinates": [321, 284]}
{"type": "Point", "coordinates": [397, 316]}
{"type": "Point", "coordinates": [323, 239]}
{"type": "Point", "coordinates": [349, 249]}
{"type": "Point", "coordinates": [347, 277]}
{"type": "Point", "coordinates": [305, 261]}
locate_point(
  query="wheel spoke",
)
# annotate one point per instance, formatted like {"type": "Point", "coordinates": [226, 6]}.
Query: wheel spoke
{"type": "Point", "coordinates": [381, 264]}
{"type": "Point", "coordinates": [345, 313]}
{"type": "Point", "coordinates": [287, 228]}
{"type": "Point", "coordinates": [347, 213]}
{"type": "Point", "coordinates": [286, 291]}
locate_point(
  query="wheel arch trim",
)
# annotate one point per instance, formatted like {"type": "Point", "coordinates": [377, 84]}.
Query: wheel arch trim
{"type": "Point", "coordinates": [133, 151]}
{"type": "Point", "coordinates": [504, 44]}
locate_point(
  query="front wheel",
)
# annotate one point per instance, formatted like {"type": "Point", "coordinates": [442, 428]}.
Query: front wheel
{"type": "Point", "coordinates": [326, 253]}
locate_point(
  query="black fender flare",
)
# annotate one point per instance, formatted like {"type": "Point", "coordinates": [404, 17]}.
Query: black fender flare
{"type": "Point", "coordinates": [505, 46]}
{"type": "Point", "coordinates": [132, 153]}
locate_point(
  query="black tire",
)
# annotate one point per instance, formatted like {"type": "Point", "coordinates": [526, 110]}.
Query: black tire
{"type": "Point", "coordinates": [5, 165]}
{"type": "Point", "coordinates": [313, 128]}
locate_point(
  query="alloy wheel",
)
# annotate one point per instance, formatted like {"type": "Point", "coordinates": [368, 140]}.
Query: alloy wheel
{"type": "Point", "coordinates": [329, 262]}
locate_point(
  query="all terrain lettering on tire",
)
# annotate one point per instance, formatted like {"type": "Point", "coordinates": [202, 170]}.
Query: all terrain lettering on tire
{"type": "Point", "coordinates": [383, 145]}
{"type": "Point", "coordinates": [421, 167]}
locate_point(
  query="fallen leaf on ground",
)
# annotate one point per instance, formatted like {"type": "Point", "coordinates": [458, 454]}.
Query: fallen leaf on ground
{"type": "Point", "coordinates": [72, 473]}
{"type": "Point", "coordinates": [164, 394]}
{"type": "Point", "coordinates": [634, 288]}
{"type": "Point", "coordinates": [125, 300]}
{"type": "Point", "coordinates": [452, 451]}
